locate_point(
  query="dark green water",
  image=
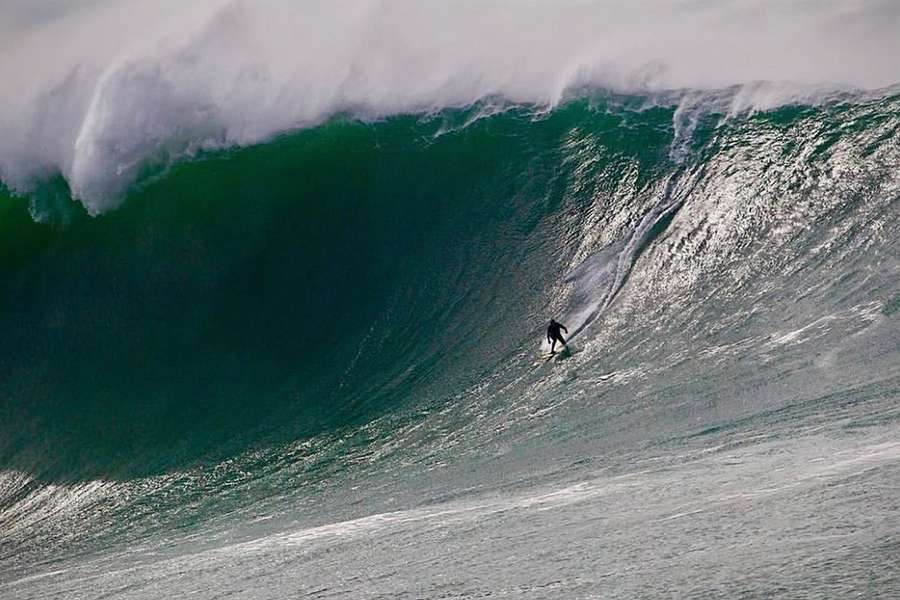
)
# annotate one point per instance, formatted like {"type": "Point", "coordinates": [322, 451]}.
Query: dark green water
{"type": "Point", "coordinates": [308, 284]}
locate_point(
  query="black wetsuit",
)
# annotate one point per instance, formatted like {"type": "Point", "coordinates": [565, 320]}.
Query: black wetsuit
{"type": "Point", "coordinates": [553, 334]}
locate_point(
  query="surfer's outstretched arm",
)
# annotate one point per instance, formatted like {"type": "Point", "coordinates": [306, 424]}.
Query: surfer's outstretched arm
{"type": "Point", "coordinates": [564, 328]}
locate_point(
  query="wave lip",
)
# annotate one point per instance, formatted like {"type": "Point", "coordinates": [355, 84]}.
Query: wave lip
{"type": "Point", "coordinates": [156, 83]}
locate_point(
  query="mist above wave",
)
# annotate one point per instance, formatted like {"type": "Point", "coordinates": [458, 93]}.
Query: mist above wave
{"type": "Point", "coordinates": [95, 90]}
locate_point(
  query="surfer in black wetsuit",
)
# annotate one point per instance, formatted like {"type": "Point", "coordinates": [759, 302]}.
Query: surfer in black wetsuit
{"type": "Point", "coordinates": [553, 335]}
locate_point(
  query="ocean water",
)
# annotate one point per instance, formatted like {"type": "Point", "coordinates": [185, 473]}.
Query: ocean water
{"type": "Point", "coordinates": [254, 354]}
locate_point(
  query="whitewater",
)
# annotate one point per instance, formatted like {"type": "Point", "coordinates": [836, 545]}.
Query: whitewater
{"type": "Point", "coordinates": [275, 278]}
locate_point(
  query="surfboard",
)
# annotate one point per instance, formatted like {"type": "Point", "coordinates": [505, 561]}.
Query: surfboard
{"type": "Point", "coordinates": [562, 354]}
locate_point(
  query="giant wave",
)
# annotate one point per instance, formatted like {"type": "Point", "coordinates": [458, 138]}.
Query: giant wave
{"type": "Point", "coordinates": [272, 293]}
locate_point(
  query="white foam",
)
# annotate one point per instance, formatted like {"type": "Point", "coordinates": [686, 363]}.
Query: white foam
{"type": "Point", "coordinates": [94, 89]}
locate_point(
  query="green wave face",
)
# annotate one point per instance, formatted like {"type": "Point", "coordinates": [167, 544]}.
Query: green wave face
{"type": "Point", "coordinates": [308, 284]}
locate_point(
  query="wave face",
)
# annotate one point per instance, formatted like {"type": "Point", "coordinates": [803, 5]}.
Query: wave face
{"type": "Point", "coordinates": [345, 320]}
{"type": "Point", "coordinates": [152, 81]}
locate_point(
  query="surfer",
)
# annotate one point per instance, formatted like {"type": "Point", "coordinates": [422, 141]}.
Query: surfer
{"type": "Point", "coordinates": [553, 335]}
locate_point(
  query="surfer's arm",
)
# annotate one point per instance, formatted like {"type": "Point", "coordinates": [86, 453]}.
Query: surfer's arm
{"type": "Point", "coordinates": [564, 328]}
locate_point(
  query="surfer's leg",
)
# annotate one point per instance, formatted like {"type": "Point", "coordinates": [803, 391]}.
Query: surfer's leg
{"type": "Point", "coordinates": [552, 346]}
